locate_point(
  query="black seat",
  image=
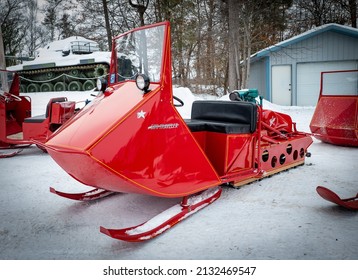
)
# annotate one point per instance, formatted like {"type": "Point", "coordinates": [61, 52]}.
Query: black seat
{"type": "Point", "coordinates": [36, 119]}
{"type": "Point", "coordinates": [42, 118]}
{"type": "Point", "coordinates": [231, 117]}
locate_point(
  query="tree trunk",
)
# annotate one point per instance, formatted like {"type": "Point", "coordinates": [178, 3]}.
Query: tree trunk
{"type": "Point", "coordinates": [234, 46]}
{"type": "Point", "coordinates": [108, 27]}
{"type": "Point", "coordinates": [2, 64]}
{"type": "Point", "coordinates": [141, 10]}
{"type": "Point", "coordinates": [353, 12]}
{"type": "Point", "coordinates": [2, 52]}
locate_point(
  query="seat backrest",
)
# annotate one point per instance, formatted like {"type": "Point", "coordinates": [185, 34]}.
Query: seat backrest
{"type": "Point", "coordinates": [54, 100]}
{"type": "Point", "coordinates": [239, 112]}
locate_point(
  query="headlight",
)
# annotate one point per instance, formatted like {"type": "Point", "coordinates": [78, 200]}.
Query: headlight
{"type": "Point", "coordinates": [101, 84]}
{"type": "Point", "coordinates": [142, 81]}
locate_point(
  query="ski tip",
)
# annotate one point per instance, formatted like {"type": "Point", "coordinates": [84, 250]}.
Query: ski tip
{"type": "Point", "coordinates": [8, 155]}
{"type": "Point", "coordinates": [105, 231]}
{"type": "Point", "coordinates": [348, 203]}
{"type": "Point", "coordinates": [52, 190]}
{"type": "Point", "coordinates": [321, 188]}
{"type": "Point", "coordinates": [327, 194]}
{"type": "Point", "coordinates": [121, 234]}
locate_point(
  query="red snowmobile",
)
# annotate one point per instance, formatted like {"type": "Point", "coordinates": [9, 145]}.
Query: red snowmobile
{"type": "Point", "coordinates": [335, 119]}
{"type": "Point", "coordinates": [131, 138]}
{"type": "Point", "coordinates": [18, 128]}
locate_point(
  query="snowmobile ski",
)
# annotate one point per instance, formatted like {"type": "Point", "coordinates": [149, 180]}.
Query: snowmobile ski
{"type": "Point", "coordinates": [167, 219]}
{"type": "Point", "coordinates": [11, 154]}
{"type": "Point", "coordinates": [349, 203]}
{"type": "Point", "coordinates": [84, 196]}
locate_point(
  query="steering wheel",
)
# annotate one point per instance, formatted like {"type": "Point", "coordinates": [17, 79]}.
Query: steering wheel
{"type": "Point", "coordinates": [10, 97]}
{"type": "Point", "coordinates": [179, 100]}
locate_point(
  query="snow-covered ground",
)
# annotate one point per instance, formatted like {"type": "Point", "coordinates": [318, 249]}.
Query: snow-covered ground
{"type": "Point", "coordinates": [280, 217]}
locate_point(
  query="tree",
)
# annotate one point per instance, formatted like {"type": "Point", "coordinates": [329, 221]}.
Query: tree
{"type": "Point", "coordinates": [319, 12]}
{"type": "Point", "coordinates": [13, 25]}
{"type": "Point", "coordinates": [352, 7]}
{"type": "Point", "coordinates": [234, 45]}
{"type": "Point", "coordinates": [141, 6]}
{"type": "Point", "coordinates": [50, 20]}
{"type": "Point", "coordinates": [108, 26]}
{"type": "Point", "coordinates": [2, 56]}
{"type": "Point", "coordinates": [32, 28]}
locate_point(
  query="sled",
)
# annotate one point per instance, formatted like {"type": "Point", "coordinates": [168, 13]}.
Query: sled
{"type": "Point", "coordinates": [132, 139]}
{"type": "Point", "coordinates": [349, 203]}
{"type": "Point", "coordinates": [335, 118]}
{"type": "Point", "coordinates": [18, 128]}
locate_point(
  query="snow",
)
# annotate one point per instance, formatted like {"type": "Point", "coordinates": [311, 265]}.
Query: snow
{"type": "Point", "coordinates": [156, 221]}
{"type": "Point", "coordinates": [280, 217]}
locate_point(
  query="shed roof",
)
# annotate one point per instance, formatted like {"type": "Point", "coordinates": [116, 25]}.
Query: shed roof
{"type": "Point", "coordinates": [333, 27]}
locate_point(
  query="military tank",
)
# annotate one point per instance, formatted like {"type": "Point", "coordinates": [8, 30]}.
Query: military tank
{"type": "Point", "coordinates": [71, 64]}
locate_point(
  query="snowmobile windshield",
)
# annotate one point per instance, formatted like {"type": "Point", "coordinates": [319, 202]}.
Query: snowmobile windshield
{"type": "Point", "coordinates": [140, 52]}
{"type": "Point", "coordinates": [340, 83]}
{"type": "Point", "coordinates": [6, 79]}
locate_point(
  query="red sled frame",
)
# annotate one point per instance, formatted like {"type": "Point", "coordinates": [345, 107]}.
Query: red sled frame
{"type": "Point", "coordinates": [133, 140]}
{"type": "Point", "coordinates": [18, 128]}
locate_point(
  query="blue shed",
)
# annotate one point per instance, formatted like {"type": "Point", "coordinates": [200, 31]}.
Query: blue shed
{"type": "Point", "coordinates": [288, 73]}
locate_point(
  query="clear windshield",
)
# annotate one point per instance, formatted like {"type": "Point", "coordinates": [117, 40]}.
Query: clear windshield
{"type": "Point", "coordinates": [141, 52]}
{"type": "Point", "coordinates": [6, 79]}
{"type": "Point", "coordinates": [340, 83]}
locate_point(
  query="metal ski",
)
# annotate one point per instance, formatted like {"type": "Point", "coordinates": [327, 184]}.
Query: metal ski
{"type": "Point", "coordinates": [349, 203]}
{"type": "Point", "coordinates": [84, 196]}
{"type": "Point", "coordinates": [7, 155]}
{"type": "Point", "coordinates": [166, 219]}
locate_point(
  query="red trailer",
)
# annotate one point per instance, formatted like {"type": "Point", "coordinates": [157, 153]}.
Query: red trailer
{"type": "Point", "coordinates": [18, 128]}
{"type": "Point", "coordinates": [335, 119]}
{"type": "Point", "coordinates": [131, 138]}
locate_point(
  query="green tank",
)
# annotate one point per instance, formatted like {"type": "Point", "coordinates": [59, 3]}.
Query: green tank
{"type": "Point", "coordinates": [72, 64]}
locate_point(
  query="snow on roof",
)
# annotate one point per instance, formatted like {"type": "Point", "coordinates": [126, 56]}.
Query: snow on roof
{"type": "Point", "coordinates": [346, 30]}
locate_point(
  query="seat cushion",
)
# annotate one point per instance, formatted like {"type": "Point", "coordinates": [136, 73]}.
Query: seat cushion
{"type": "Point", "coordinates": [221, 127]}
{"type": "Point", "coordinates": [36, 119]}
{"type": "Point", "coordinates": [223, 116]}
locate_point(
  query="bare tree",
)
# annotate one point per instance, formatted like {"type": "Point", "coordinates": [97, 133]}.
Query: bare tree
{"type": "Point", "coordinates": [319, 12]}
{"type": "Point", "coordinates": [2, 54]}
{"type": "Point", "coordinates": [108, 26]}
{"type": "Point", "coordinates": [51, 13]}
{"type": "Point", "coordinates": [141, 7]}
{"type": "Point", "coordinates": [13, 24]}
{"type": "Point", "coordinates": [352, 7]}
{"type": "Point", "coordinates": [234, 45]}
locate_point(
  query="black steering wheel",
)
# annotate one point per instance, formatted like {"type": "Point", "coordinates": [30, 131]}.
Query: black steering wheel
{"type": "Point", "coordinates": [179, 100]}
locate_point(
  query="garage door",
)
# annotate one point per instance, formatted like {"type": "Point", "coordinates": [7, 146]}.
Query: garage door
{"type": "Point", "coordinates": [309, 75]}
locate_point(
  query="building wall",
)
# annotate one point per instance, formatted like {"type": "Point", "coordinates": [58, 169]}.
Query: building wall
{"type": "Point", "coordinates": [323, 47]}
{"type": "Point", "coordinates": [258, 77]}
{"type": "Point", "coordinates": [327, 46]}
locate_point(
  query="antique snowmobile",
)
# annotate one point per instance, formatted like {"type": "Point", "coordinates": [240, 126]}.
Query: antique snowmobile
{"type": "Point", "coordinates": [131, 138]}
{"type": "Point", "coordinates": [335, 119]}
{"type": "Point", "coordinates": [18, 128]}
